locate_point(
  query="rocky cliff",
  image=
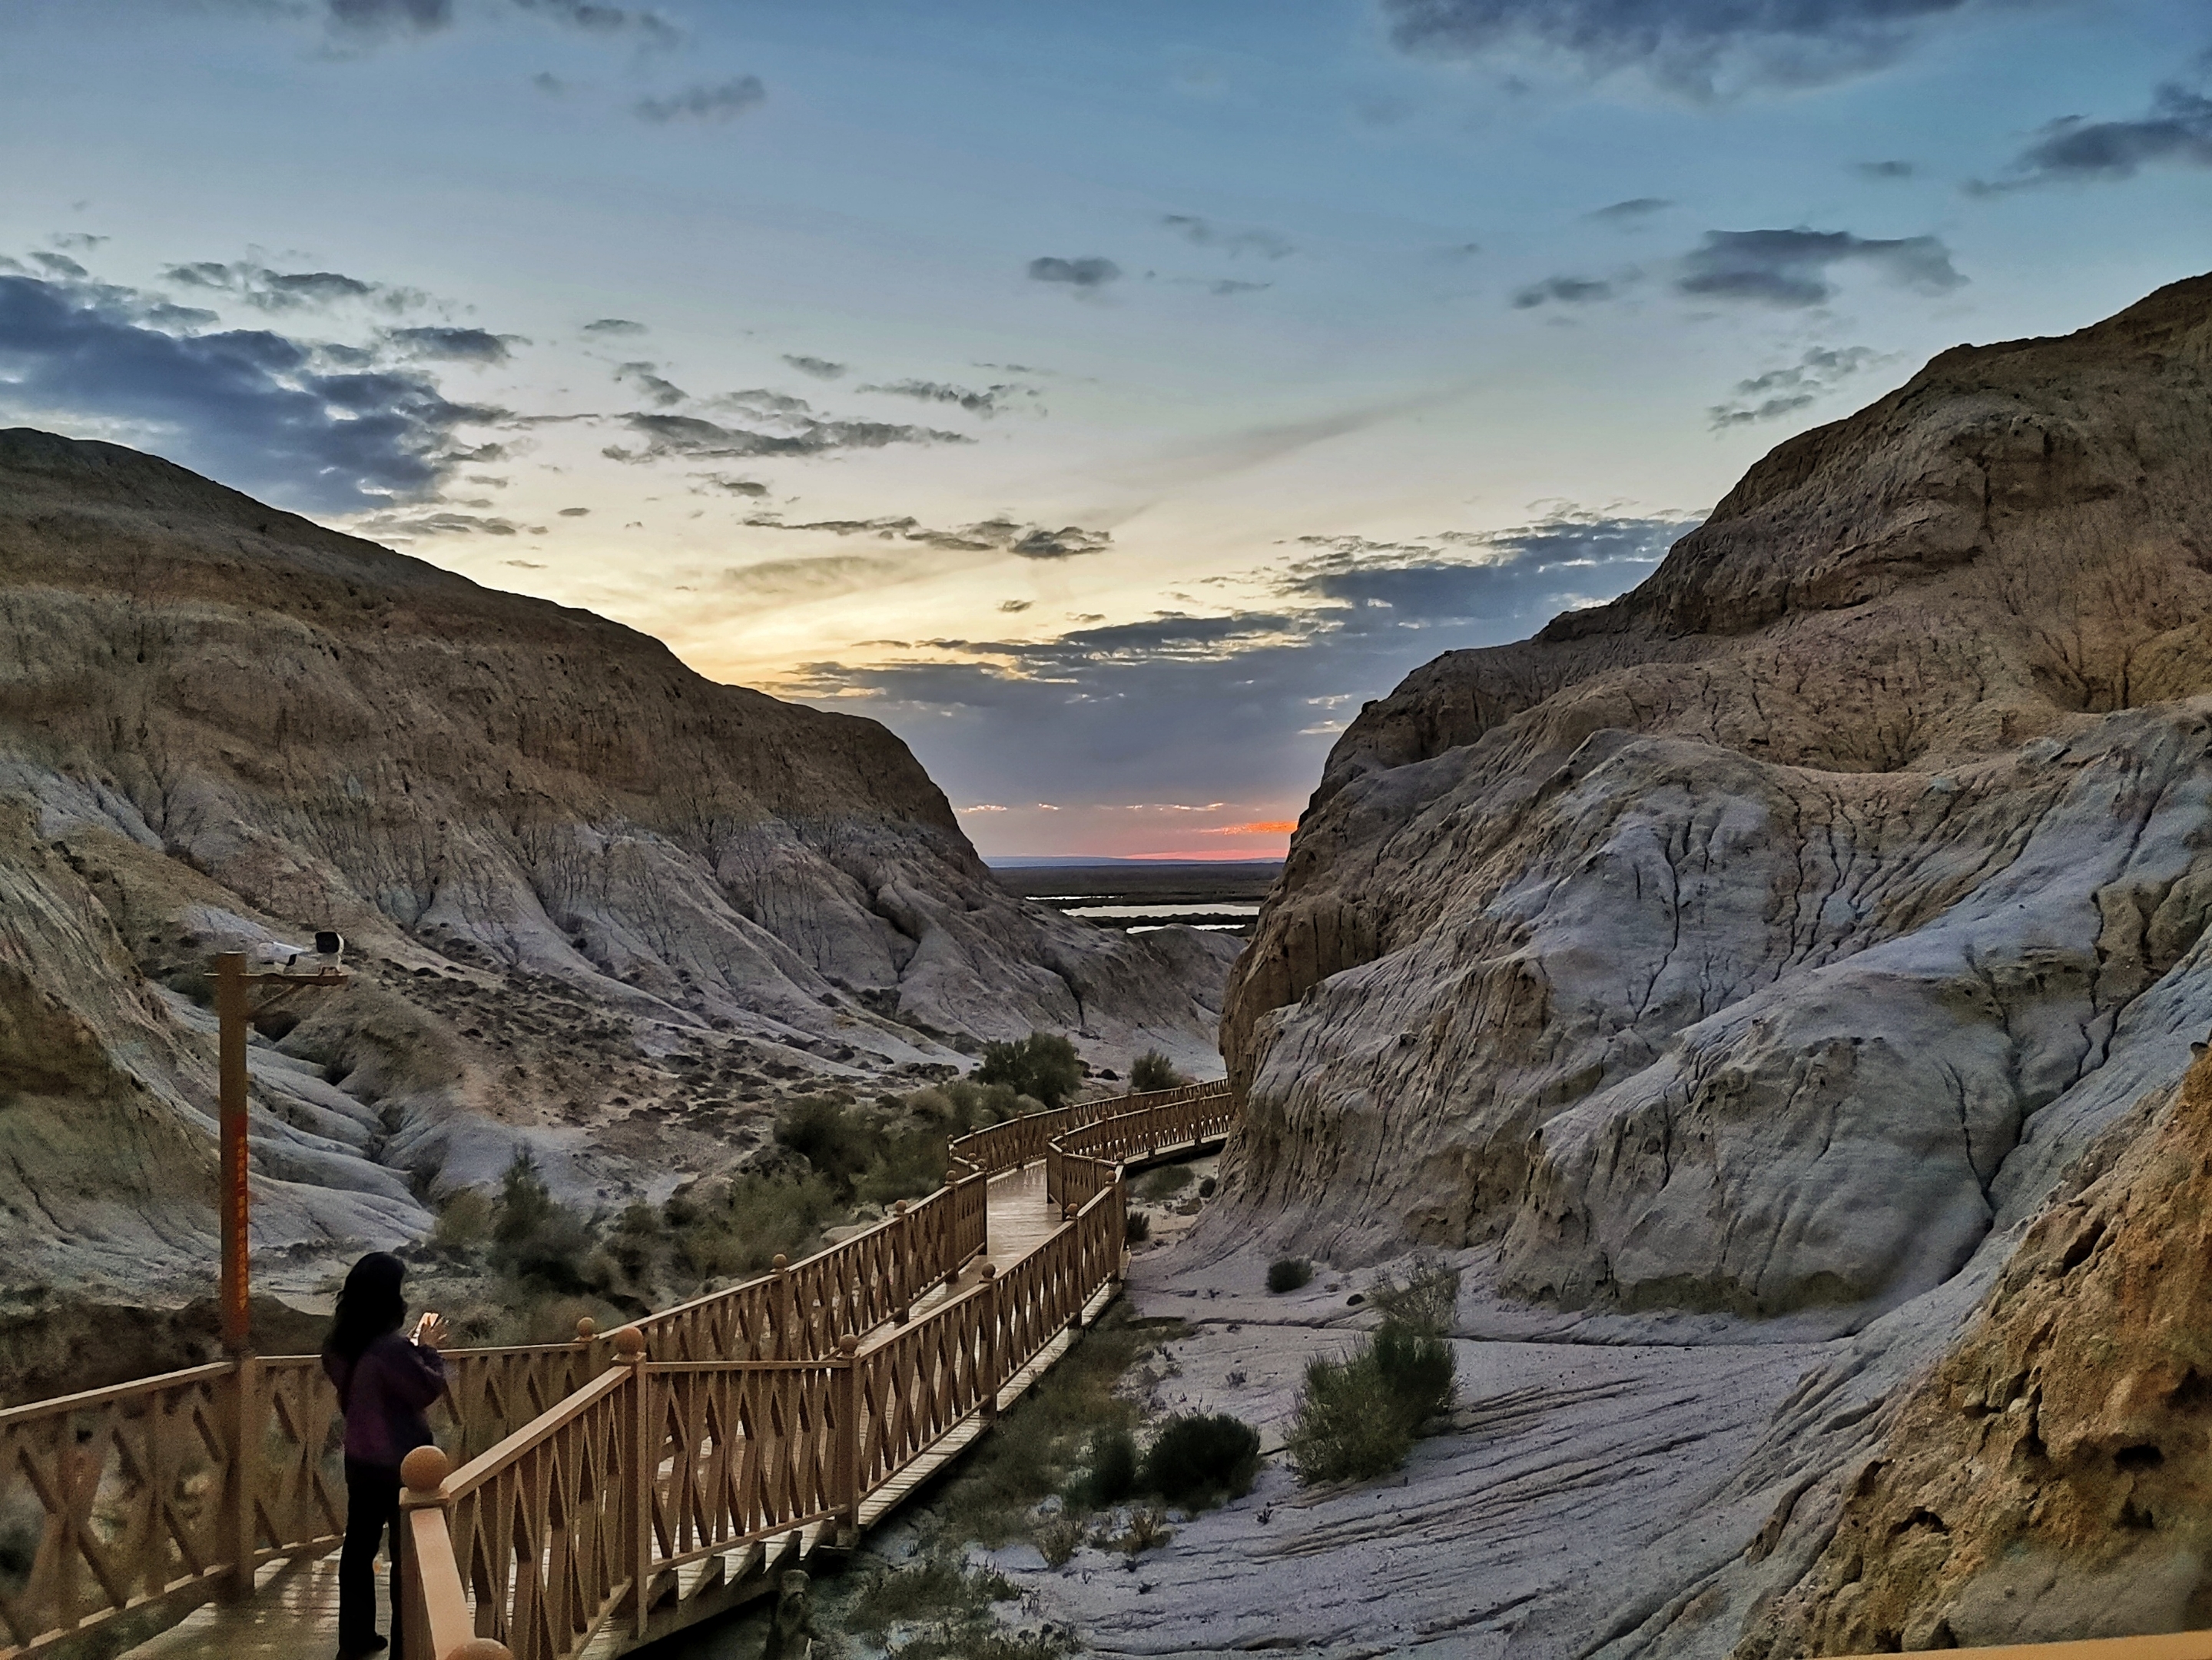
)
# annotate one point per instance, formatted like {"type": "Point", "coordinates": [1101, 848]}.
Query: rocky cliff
{"type": "Point", "coordinates": [1764, 940]}
{"type": "Point", "coordinates": [599, 905]}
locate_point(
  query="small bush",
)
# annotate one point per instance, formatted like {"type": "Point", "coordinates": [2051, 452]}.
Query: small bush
{"type": "Point", "coordinates": [535, 1239]}
{"type": "Point", "coordinates": [1148, 1531]}
{"type": "Point", "coordinates": [1417, 1371]}
{"type": "Point", "coordinates": [936, 1589]}
{"type": "Point", "coordinates": [1347, 1428]}
{"type": "Point", "coordinates": [1113, 1475]}
{"type": "Point", "coordinates": [1207, 1185]}
{"type": "Point", "coordinates": [1043, 1064]}
{"type": "Point", "coordinates": [1201, 1458]}
{"type": "Point", "coordinates": [1288, 1273]}
{"type": "Point", "coordinates": [1138, 1228]}
{"type": "Point", "coordinates": [1427, 1302]}
{"type": "Point", "coordinates": [1153, 1071]}
{"type": "Point", "coordinates": [1164, 1183]}
{"type": "Point", "coordinates": [1058, 1539]}
{"type": "Point", "coordinates": [828, 1136]}
{"type": "Point", "coordinates": [464, 1222]}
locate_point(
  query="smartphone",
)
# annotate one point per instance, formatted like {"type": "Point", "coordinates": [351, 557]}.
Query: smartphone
{"type": "Point", "coordinates": [423, 1324]}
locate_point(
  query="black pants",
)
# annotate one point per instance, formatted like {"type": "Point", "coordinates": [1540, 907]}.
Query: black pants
{"type": "Point", "coordinates": [372, 1506]}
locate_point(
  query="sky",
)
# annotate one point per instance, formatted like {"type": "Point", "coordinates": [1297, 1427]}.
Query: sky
{"type": "Point", "coordinates": [1109, 396]}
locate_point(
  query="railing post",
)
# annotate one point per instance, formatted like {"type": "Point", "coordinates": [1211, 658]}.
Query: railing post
{"type": "Point", "coordinates": [904, 1265]}
{"type": "Point", "coordinates": [433, 1608]}
{"type": "Point", "coordinates": [784, 1317]}
{"type": "Point", "coordinates": [242, 1428]}
{"type": "Point", "coordinates": [845, 1490]}
{"type": "Point", "coordinates": [987, 1362]}
{"type": "Point", "coordinates": [639, 1420]}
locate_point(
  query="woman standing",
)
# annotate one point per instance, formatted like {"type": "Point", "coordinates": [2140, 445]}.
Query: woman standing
{"type": "Point", "coordinates": [385, 1384]}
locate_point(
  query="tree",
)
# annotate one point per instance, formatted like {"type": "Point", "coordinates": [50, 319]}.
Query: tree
{"type": "Point", "coordinates": [1043, 1065]}
{"type": "Point", "coordinates": [1153, 1071]}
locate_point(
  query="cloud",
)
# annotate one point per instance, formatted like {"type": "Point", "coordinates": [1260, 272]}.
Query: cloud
{"type": "Point", "coordinates": [1794, 386]}
{"type": "Point", "coordinates": [1884, 170]}
{"type": "Point", "coordinates": [1791, 267]}
{"type": "Point", "coordinates": [1228, 286]}
{"type": "Point", "coordinates": [646, 379]}
{"type": "Point", "coordinates": [413, 527]}
{"type": "Point", "coordinates": [1700, 49]}
{"type": "Point", "coordinates": [1205, 233]}
{"type": "Point", "coordinates": [1632, 211]}
{"type": "Point", "coordinates": [251, 407]}
{"type": "Point", "coordinates": [1566, 291]}
{"type": "Point", "coordinates": [820, 367]}
{"type": "Point", "coordinates": [607, 326]}
{"type": "Point", "coordinates": [575, 513]}
{"type": "Point", "coordinates": [985, 536]}
{"type": "Point", "coordinates": [1015, 605]}
{"type": "Point", "coordinates": [2176, 130]}
{"type": "Point", "coordinates": [590, 17]}
{"type": "Point", "coordinates": [690, 438]}
{"type": "Point", "coordinates": [391, 16]}
{"type": "Point", "coordinates": [1092, 271]}
{"type": "Point", "coordinates": [1101, 715]}
{"type": "Point", "coordinates": [289, 290]}
{"type": "Point", "coordinates": [455, 345]}
{"type": "Point", "coordinates": [723, 101]}
{"type": "Point", "coordinates": [988, 402]}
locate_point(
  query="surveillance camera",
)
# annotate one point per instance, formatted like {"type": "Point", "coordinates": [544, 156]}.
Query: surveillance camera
{"type": "Point", "coordinates": [276, 954]}
{"type": "Point", "coordinates": [330, 946]}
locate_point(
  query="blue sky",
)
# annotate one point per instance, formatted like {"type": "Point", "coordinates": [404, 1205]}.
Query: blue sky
{"type": "Point", "coordinates": [1108, 396]}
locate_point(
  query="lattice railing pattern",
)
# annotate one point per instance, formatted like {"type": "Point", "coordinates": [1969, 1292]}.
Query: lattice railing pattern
{"type": "Point", "coordinates": [297, 1456]}
{"type": "Point", "coordinates": [112, 1500]}
{"type": "Point", "coordinates": [537, 1525]}
{"type": "Point", "coordinates": [921, 1384]}
{"type": "Point", "coordinates": [740, 1453]}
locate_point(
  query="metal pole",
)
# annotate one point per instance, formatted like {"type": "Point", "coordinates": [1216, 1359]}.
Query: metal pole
{"type": "Point", "coordinates": [231, 1016]}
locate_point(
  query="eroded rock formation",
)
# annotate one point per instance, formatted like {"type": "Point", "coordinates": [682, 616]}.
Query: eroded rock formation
{"type": "Point", "coordinates": [599, 905]}
{"type": "Point", "coordinates": [1763, 939]}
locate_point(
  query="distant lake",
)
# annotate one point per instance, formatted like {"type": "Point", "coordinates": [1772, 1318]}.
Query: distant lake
{"type": "Point", "coordinates": [1154, 913]}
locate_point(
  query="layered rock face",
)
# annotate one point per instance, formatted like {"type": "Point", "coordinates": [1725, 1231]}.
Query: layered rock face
{"type": "Point", "coordinates": [1763, 938]}
{"type": "Point", "coordinates": [599, 905]}
{"type": "Point", "coordinates": [2047, 1480]}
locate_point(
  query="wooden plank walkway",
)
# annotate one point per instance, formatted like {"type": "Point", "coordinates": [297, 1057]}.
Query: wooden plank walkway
{"type": "Point", "coordinates": [294, 1614]}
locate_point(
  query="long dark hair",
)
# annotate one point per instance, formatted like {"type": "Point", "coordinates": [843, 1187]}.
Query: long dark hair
{"type": "Point", "coordinates": [369, 1305]}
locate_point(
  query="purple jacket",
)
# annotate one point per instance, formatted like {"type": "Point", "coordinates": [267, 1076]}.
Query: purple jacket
{"type": "Point", "coordinates": [384, 1395]}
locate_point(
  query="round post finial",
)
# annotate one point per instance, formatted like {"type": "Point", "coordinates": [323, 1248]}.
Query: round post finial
{"type": "Point", "coordinates": [425, 1469]}
{"type": "Point", "coordinates": [480, 1648]}
{"type": "Point", "coordinates": [847, 1345]}
{"type": "Point", "coordinates": [990, 1270]}
{"type": "Point", "coordinates": [586, 1329]}
{"type": "Point", "coordinates": [629, 1343]}
{"type": "Point", "coordinates": [899, 1209]}
{"type": "Point", "coordinates": [780, 1262]}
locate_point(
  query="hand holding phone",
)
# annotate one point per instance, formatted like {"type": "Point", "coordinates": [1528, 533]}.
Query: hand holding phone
{"type": "Point", "coordinates": [430, 1329]}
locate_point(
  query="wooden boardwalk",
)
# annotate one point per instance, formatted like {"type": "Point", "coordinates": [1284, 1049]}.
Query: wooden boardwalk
{"type": "Point", "coordinates": [293, 1614]}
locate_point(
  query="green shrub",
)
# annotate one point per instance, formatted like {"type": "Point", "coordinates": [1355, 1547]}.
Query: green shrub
{"type": "Point", "coordinates": [1153, 1071]}
{"type": "Point", "coordinates": [1288, 1273]}
{"type": "Point", "coordinates": [935, 1589]}
{"type": "Point", "coordinates": [1164, 1183]}
{"type": "Point", "coordinates": [463, 1221]}
{"type": "Point", "coordinates": [1057, 1540]}
{"type": "Point", "coordinates": [1347, 1428]}
{"type": "Point", "coordinates": [1427, 1302]}
{"type": "Point", "coordinates": [1113, 1475]}
{"type": "Point", "coordinates": [828, 1135]}
{"type": "Point", "coordinates": [1138, 1228]}
{"type": "Point", "coordinates": [1201, 1458]}
{"type": "Point", "coordinates": [1417, 1371]}
{"type": "Point", "coordinates": [1043, 1065]}
{"type": "Point", "coordinates": [742, 1229]}
{"type": "Point", "coordinates": [536, 1240]}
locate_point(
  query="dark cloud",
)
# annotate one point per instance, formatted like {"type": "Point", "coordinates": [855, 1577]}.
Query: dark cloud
{"type": "Point", "coordinates": [646, 378]}
{"type": "Point", "coordinates": [1636, 209]}
{"type": "Point", "coordinates": [613, 325]}
{"type": "Point", "coordinates": [391, 16]}
{"type": "Point", "coordinates": [987, 402]}
{"type": "Point", "coordinates": [550, 83]}
{"type": "Point", "coordinates": [289, 290]}
{"type": "Point", "coordinates": [78, 241]}
{"type": "Point", "coordinates": [1228, 286]}
{"type": "Point", "coordinates": [1101, 713]}
{"type": "Point", "coordinates": [688, 438]}
{"type": "Point", "coordinates": [251, 407]}
{"type": "Point", "coordinates": [1884, 170]}
{"type": "Point", "coordinates": [1092, 271]}
{"type": "Point", "coordinates": [985, 536]}
{"type": "Point", "coordinates": [1700, 48]}
{"type": "Point", "coordinates": [1783, 391]}
{"type": "Point", "coordinates": [820, 367]}
{"type": "Point", "coordinates": [1791, 267]}
{"type": "Point", "coordinates": [373, 19]}
{"type": "Point", "coordinates": [2176, 132]}
{"type": "Point", "coordinates": [1205, 233]}
{"type": "Point", "coordinates": [410, 527]}
{"type": "Point", "coordinates": [455, 345]}
{"type": "Point", "coordinates": [575, 513]}
{"type": "Point", "coordinates": [723, 101]}
{"type": "Point", "coordinates": [1566, 291]}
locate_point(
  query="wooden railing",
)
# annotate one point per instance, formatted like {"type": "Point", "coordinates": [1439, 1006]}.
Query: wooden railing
{"type": "Point", "coordinates": [610, 1519]}
{"type": "Point", "coordinates": [154, 1495]}
{"type": "Point", "coordinates": [576, 1479]}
